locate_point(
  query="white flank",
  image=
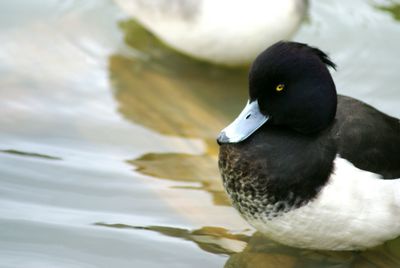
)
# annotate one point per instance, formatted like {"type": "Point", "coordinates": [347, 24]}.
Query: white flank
{"type": "Point", "coordinates": [230, 32]}
{"type": "Point", "coordinates": [354, 210]}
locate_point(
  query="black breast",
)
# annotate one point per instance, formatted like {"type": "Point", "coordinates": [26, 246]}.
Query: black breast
{"type": "Point", "coordinates": [276, 170]}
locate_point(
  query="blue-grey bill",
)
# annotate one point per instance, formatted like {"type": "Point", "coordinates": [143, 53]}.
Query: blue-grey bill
{"type": "Point", "coordinates": [248, 121]}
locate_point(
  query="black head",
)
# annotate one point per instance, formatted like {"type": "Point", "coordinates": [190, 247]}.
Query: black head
{"type": "Point", "coordinates": [293, 86]}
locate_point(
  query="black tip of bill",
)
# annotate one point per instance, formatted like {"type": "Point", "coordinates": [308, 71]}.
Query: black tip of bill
{"type": "Point", "coordinates": [248, 121]}
{"type": "Point", "coordinates": [222, 138]}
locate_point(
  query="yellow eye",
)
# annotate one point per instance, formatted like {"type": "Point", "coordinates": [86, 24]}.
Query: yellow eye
{"type": "Point", "coordinates": [280, 87]}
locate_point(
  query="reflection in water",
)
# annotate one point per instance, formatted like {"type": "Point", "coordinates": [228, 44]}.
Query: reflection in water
{"type": "Point", "coordinates": [172, 94]}
{"type": "Point", "coordinates": [210, 239]}
{"type": "Point", "coordinates": [185, 168]}
{"type": "Point", "coordinates": [256, 251]}
{"type": "Point", "coordinates": [393, 9]}
{"type": "Point", "coordinates": [29, 154]}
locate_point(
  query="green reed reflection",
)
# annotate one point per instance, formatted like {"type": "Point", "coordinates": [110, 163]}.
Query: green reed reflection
{"type": "Point", "coordinates": [215, 240]}
{"type": "Point", "coordinates": [173, 94]}
{"type": "Point", "coordinates": [393, 9]}
{"type": "Point", "coordinates": [185, 168]}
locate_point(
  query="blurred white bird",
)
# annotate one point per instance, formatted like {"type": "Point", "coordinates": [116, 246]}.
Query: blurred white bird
{"type": "Point", "coordinates": [229, 32]}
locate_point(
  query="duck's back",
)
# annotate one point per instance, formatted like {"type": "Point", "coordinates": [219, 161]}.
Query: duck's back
{"type": "Point", "coordinates": [219, 31]}
{"type": "Point", "coordinates": [367, 138]}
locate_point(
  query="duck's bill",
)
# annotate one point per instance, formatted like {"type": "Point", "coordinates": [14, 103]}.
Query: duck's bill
{"type": "Point", "coordinates": [248, 121]}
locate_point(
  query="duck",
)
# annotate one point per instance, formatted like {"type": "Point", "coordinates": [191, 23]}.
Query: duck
{"type": "Point", "coordinates": [226, 32]}
{"type": "Point", "coordinates": [305, 166]}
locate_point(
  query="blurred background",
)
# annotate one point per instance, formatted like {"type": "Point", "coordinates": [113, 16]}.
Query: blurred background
{"type": "Point", "coordinates": [107, 134]}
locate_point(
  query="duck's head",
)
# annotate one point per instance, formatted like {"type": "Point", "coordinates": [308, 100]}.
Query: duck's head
{"type": "Point", "coordinates": [289, 86]}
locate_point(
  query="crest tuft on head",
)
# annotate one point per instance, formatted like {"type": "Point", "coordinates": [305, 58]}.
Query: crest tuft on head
{"type": "Point", "coordinates": [324, 57]}
{"type": "Point", "coordinates": [295, 47]}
